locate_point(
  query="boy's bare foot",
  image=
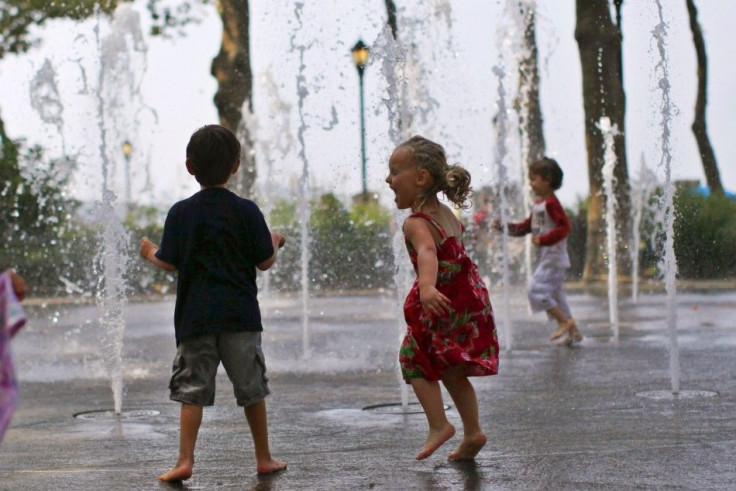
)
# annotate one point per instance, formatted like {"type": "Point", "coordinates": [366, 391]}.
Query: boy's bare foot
{"type": "Point", "coordinates": [181, 472]}
{"type": "Point", "coordinates": [562, 328]}
{"type": "Point", "coordinates": [270, 466]}
{"type": "Point", "coordinates": [434, 440]}
{"type": "Point", "coordinates": [469, 447]}
{"type": "Point", "coordinates": [574, 336]}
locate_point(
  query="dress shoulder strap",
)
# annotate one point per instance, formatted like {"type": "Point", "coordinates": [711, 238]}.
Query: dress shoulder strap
{"type": "Point", "coordinates": [434, 222]}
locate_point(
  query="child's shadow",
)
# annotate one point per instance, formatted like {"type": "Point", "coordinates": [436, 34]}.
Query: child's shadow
{"type": "Point", "coordinates": [469, 470]}
{"type": "Point", "coordinates": [264, 482]}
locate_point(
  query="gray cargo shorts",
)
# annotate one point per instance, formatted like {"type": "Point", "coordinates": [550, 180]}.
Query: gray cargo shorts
{"type": "Point", "coordinates": [198, 357]}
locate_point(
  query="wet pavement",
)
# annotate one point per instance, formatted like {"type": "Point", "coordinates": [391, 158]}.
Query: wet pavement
{"type": "Point", "coordinates": [597, 416]}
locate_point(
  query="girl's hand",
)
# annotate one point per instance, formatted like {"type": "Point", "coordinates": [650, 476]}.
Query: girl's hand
{"type": "Point", "coordinates": [433, 301]}
{"type": "Point", "coordinates": [148, 248]}
{"type": "Point", "coordinates": [535, 239]}
{"type": "Point", "coordinates": [19, 285]}
{"type": "Point", "coordinates": [496, 224]}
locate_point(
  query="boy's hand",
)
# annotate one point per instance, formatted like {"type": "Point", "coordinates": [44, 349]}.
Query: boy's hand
{"type": "Point", "coordinates": [433, 301]}
{"type": "Point", "coordinates": [535, 239]}
{"type": "Point", "coordinates": [148, 248]}
{"type": "Point", "coordinates": [496, 224]}
{"type": "Point", "coordinates": [278, 239]}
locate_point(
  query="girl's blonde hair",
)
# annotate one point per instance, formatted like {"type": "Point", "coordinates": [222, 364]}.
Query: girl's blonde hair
{"type": "Point", "coordinates": [453, 180]}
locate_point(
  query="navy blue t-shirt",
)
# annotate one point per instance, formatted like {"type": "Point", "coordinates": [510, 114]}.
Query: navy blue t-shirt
{"type": "Point", "coordinates": [215, 239]}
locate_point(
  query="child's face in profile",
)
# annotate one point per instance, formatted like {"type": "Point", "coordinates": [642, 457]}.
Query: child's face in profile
{"type": "Point", "coordinates": [540, 186]}
{"type": "Point", "coordinates": [403, 178]}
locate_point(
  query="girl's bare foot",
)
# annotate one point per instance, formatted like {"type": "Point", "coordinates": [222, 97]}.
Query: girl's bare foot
{"type": "Point", "coordinates": [270, 466]}
{"type": "Point", "coordinates": [435, 439]}
{"type": "Point", "coordinates": [181, 472]}
{"type": "Point", "coordinates": [469, 447]}
{"type": "Point", "coordinates": [563, 328]}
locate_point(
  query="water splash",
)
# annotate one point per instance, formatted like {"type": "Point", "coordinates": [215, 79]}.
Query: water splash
{"type": "Point", "coordinates": [502, 183]}
{"type": "Point", "coordinates": [393, 58]}
{"type": "Point", "coordinates": [670, 260]}
{"type": "Point", "coordinates": [641, 191]}
{"type": "Point", "coordinates": [272, 139]}
{"type": "Point", "coordinates": [112, 260]}
{"type": "Point", "coordinates": [609, 131]}
{"type": "Point", "coordinates": [304, 207]}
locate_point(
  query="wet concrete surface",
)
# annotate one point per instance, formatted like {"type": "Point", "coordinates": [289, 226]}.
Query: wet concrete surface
{"type": "Point", "coordinates": [556, 418]}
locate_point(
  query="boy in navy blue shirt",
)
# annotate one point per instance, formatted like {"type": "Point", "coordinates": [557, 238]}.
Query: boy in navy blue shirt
{"type": "Point", "coordinates": [216, 240]}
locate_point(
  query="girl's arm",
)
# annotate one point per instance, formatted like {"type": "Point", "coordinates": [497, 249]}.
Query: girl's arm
{"type": "Point", "coordinates": [418, 234]}
{"type": "Point", "coordinates": [148, 252]}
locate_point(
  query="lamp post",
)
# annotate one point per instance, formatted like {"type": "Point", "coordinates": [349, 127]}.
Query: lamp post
{"type": "Point", "coordinates": [127, 149]}
{"type": "Point", "coordinates": [360, 57]}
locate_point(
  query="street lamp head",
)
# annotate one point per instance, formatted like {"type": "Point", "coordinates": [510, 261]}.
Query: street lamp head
{"type": "Point", "coordinates": [127, 148]}
{"type": "Point", "coordinates": [360, 55]}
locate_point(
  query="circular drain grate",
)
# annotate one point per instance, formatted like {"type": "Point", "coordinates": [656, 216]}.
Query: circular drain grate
{"type": "Point", "coordinates": [397, 408]}
{"type": "Point", "coordinates": [109, 414]}
{"type": "Point", "coordinates": [668, 395]}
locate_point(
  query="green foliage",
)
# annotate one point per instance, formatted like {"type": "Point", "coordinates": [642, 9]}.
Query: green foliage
{"type": "Point", "coordinates": [705, 235]}
{"type": "Point", "coordinates": [36, 222]}
{"type": "Point", "coordinates": [348, 249]}
{"type": "Point", "coordinates": [168, 18]}
{"type": "Point", "coordinates": [19, 17]}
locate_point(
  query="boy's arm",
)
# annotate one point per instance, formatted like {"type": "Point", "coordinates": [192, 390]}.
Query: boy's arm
{"type": "Point", "coordinates": [515, 229]}
{"type": "Point", "coordinates": [148, 252]}
{"type": "Point", "coordinates": [417, 232]}
{"type": "Point", "coordinates": [562, 223]}
{"type": "Point", "coordinates": [278, 242]}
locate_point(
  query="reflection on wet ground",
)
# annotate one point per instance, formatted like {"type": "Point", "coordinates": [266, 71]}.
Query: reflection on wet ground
{"type": "Point", "coordinates": [594, 416]}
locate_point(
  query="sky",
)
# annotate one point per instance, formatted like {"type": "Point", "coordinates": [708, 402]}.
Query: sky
{"type": "Point", "coordinates": [154, 92]}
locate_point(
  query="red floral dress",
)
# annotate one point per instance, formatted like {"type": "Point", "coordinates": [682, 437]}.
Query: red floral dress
{"type": "Point", "coordinates": [466, 336]}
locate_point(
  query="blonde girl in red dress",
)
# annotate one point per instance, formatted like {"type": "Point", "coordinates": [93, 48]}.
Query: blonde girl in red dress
{"type": "Point", "coordinates": [450, 328]}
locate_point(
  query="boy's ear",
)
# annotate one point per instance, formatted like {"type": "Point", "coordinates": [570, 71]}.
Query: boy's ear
{"type": "Point", "coordinates": [236, 165]}
{"type": "Point", "coordinates": [190, 169]}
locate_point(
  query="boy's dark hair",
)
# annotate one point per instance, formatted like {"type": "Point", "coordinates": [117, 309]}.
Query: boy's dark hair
{"type": "Point", "coordinates": [213, 151]}
{"type": "Point", "coordinates": [549, 170]}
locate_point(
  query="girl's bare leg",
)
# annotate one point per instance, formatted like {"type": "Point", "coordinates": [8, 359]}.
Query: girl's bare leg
{"type": "Point", "coordinates": [190, 419]}
{"type": "Point", "coordinates": [463, 395]}
{"type": "Point", "coordinates": [258, 423]}
{"type": "Point", "coordinates": [440, 430]}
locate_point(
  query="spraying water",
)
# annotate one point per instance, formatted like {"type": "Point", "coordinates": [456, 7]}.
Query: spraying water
{"type": "Point", "coordinates": [304, 208]}
{"type": "Point", "coordinates": [112, 257]}
{"type": "Point", "coordinates": [670, 261]}
{"type": "Point", "coordinates": [392, 58]}
{"type": "Point", "coordinates": [641, 190]}
{"type": "Point", "coordinates": [502, 183]}
{"type": "Point", "coordinates": [609, 181]}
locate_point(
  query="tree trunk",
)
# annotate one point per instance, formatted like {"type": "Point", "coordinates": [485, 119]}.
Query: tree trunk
{"type": "Point", "coordinates": [391, 13]}
{"type": "Point", "coordinates": [599, 44]}
{"type": "Point", "coordinates": [710, 166]}
{"type": "Point", "coordinates": [231, 67]}
{"type": "Point", "coordinates": [527, 103]}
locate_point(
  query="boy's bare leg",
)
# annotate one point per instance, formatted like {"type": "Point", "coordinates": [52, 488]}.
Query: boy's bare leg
{"type": "Point", "coordinates": [440, 430]}
{"type": "Point", "coordinates": [190, 419]}
{"type": "Point", "coordinates": [463, 395]}
{"type": "Point", "coordinates": [564, 323]}
{"type": "Point", "coordinates": [258, 422]}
